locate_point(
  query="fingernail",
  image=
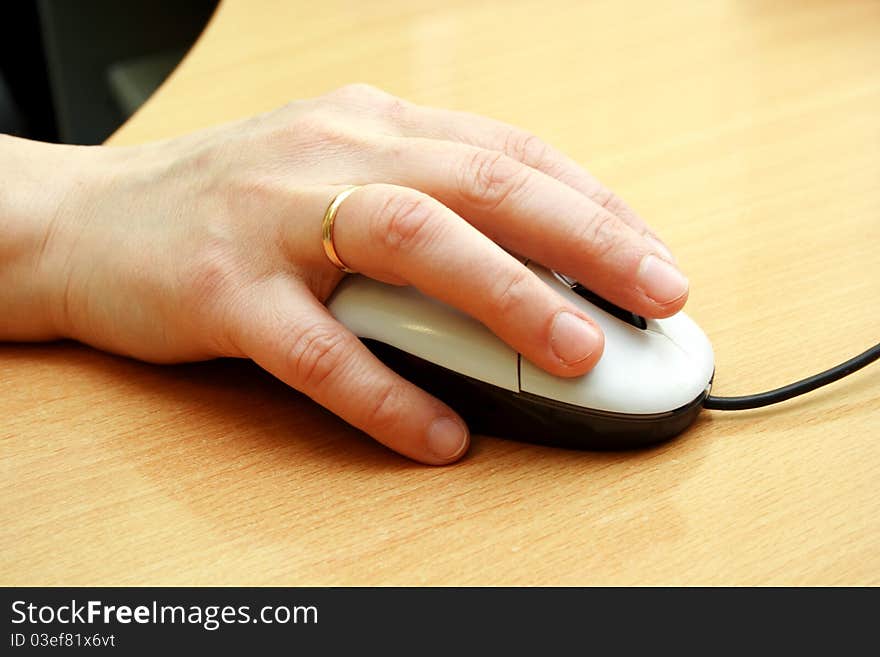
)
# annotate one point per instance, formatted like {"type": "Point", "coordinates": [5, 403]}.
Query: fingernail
{"type": "Point", "coordinates": [446, 438]}
{"type": "Point", "coordinates": [660, 248]}
{"type": "Point", "coordinates": [661, 281]}
{"type": "Point", "coordinates": [572, 338]}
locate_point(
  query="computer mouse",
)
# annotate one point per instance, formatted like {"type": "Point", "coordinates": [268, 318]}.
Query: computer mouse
{"type": "Point", "coordinates": [647, 387]}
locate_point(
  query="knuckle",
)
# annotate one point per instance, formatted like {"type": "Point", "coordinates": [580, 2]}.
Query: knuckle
{"type": "Point", "coordinates": [285, 111]}
{"type": "Point", "coordinates": [315, 353]}
{"type": "Point", "coordinates": [599, 235]}
{"type": "Point", "coordinates": [405, 222]}
{"type": "Point", "coordinates": [395, 111]}
{"type": "Point", "coordinates": [244, 205]}
{"type": "Point", "coordinates": [210, 283]}
{"type": "Point", "coordinates": [378, 102]}
{"type": "Point", "coordinates": [511, 293]}
{"type": "Point", "coordinates": [384, 408]}
{"type": "Point", "coordinates": [249, 192]}
{"type": "Point", "coordinates": [489, 178]}
{"type": "Point", "coordinates": [607, 199]}
{"type": "Point", "coordinates": [527, 148]}
{"type": "Point", "coordinates": [617, 206]}
{"type": "Point", "coordinates": [319, 127]}
{"type": "Point", "coordinates": [209, 271]}
{"type": "Point", "coordinates": [360, 91]}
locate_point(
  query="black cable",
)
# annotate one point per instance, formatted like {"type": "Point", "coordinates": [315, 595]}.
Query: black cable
{"type": "Point", "coordinates": [793, 389]}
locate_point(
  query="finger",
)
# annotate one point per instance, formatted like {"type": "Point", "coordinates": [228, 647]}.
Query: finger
{"type": "Point", "coordinates": [289, 333]}
{"type": "Point", "coordinates": [481, 131]}
{"type": "Point", "coordinates": [534, 214]}
{"type": "Point", "coordinates": [401, 236]}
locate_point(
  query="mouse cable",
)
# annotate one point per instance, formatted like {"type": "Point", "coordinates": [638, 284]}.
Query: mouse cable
{"type": "Point", "coordinates": [793, 389]}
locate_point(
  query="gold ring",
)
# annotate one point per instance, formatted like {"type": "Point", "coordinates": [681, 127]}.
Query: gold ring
{"type": "Point", "coordinates": [327, 228]}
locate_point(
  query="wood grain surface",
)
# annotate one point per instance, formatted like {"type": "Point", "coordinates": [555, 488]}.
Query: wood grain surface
{"type": "Point", "coordinates": [747, 133]}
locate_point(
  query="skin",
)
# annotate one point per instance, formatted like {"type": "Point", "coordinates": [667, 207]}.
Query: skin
{"type": "Point", "coordinates": [209, 245]}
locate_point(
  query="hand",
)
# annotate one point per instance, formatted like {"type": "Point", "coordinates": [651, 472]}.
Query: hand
{"type": "Point", "coordinates": [209, 245]}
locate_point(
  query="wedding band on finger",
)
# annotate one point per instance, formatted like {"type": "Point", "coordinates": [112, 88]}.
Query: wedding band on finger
{"type": "Point", "coordinates": [327, 229]}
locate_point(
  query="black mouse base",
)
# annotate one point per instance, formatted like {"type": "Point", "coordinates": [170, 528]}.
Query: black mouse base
{"type": "Point", "coordinates": [495, 411]}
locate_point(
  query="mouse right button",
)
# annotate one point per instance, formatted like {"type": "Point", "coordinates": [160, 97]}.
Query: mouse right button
{"type": "Point", "coordinates": [640, 371]}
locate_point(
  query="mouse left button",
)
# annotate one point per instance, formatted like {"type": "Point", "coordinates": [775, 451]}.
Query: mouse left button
{"type": "Point", "coordinates": [613, 309]}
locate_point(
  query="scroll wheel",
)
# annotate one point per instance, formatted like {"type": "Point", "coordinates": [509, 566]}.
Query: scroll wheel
{"type": "Point", "coordinates": [620, 313]}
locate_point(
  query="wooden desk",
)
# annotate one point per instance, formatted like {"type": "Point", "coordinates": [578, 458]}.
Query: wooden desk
{"type": "Point", "coordinates": [748, 133]}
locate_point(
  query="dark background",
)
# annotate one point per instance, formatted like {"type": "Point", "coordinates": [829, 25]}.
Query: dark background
{"type": "Point", "coordinates": [73, 70]}
{"type": "Point", "coordinates": [482, 621]}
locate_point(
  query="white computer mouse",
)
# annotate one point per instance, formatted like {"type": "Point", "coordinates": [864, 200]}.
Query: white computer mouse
{"type": "Point", "coordinates": [648, 386]}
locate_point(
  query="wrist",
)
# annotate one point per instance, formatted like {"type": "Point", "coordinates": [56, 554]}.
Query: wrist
{"type": "Point", "coordinates": [39, 202]}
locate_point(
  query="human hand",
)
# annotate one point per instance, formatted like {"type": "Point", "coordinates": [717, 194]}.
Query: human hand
{"type": "Point", "coordinates": [209, 245]}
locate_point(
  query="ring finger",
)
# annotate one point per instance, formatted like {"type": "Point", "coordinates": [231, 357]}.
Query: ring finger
{"type": "Point", "coordinates": [402, 236]}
